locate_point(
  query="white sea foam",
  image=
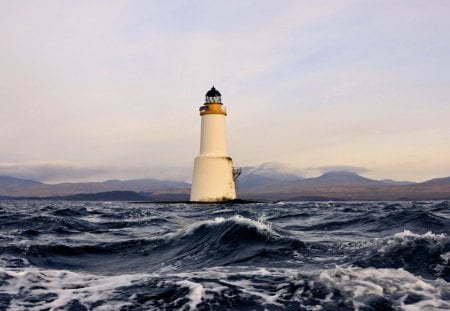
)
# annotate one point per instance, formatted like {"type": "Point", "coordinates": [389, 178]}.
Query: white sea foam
{"type": "Point", "coordinates": [405, 238]}
{"type": "Point", "coordinates": [266, 286]}
{"type": "Point", "coordinates": [428, 235]}
{"type": "Point", "coordinates": [218, 282]}
{"type": "Point", "coordinates": [446, 258]}
{"type": "Point", "coordinates": [396, 284]}
{"type": "Point", "coordinates": [68, 286]}
{"type": "Point", "coordinates": [261, 223]}
{"type": "Point", "coordinates": [221, 211]}
{"type": "Point", "coordinates": [196, 293]}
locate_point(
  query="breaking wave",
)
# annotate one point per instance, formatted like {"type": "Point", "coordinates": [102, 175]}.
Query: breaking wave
{"type": "Point", "coordinates": [422, 254]}
{"type": "Point", "coordinates": [235, 240]}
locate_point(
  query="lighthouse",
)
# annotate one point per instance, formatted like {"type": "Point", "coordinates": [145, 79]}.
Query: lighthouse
{"type": "Point", "coordinates": [214, 177]}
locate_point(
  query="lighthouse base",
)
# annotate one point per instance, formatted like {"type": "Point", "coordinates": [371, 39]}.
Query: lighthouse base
{"type": "Point", "coordinates": [212, 180]}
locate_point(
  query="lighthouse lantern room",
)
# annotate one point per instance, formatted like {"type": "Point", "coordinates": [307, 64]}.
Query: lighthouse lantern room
{"type": "Point", "coordinates": [213, 178]}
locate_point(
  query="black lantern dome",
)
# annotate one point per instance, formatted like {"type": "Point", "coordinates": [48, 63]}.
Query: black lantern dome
{"type": "Point", "coordinates": [213, 96]}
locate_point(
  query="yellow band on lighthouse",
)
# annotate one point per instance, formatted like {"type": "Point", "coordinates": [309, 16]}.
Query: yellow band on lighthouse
{"type": "Point", "coordinates": [213, 109]}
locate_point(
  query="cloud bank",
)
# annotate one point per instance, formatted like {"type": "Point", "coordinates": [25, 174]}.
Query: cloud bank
{"type": "Point", "coordinates": [56, 172]}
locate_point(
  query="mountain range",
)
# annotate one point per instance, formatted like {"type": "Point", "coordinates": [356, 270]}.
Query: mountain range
{"type": "Point", "coordinates": [146, 188]}
{"type": "Point", "coordinates": [284, 184]}
{"type": "Point", "coordinates": [269, 181]}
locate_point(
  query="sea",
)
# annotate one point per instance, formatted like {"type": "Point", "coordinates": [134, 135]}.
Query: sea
{"type": "Point", "coordinates": [66, 255]}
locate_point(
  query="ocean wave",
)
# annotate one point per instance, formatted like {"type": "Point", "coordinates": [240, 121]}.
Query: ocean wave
{"type": "Point", "coordinates": [221, 241]}
{"type": "Point", "coordinates": [414, 220]}
{"type": "Point", "coordinates": [48, 223]}
{"type": "Point", "coordinates": [229, 241]}
{"type": "Point", "coordinates": [341, 288]}
{"type": "Point", "coordinates": [73, 211]}
{"type": "Point", "coordinates": [423, 254]}
{"type": "Point", "coordinates": [385, 222]}
{"type": "Point", "coordinates": [441, 206]}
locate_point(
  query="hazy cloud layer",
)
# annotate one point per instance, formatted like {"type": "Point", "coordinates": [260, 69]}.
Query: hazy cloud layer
{"type": "Point", "coordinates": [62, 172]}
{"type": "Point", "coordinates": [107, 84]}
{"type": "Point", "coordinates": [46, 171]}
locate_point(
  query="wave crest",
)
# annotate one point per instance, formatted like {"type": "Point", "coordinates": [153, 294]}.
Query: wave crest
{"type": "Point", "coordinates": [221, 241]}
{"type": "Point", "coordinates": [423, 254]}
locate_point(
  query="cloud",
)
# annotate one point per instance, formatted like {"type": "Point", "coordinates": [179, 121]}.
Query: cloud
{"type": "Point", "coordinates": [51, 171]}
{"type": "Point", "coordinates": [61, 171]}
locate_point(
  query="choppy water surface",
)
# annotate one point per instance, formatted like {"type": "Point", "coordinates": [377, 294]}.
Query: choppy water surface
{"type": "Point", "coordinates": [277, 256]}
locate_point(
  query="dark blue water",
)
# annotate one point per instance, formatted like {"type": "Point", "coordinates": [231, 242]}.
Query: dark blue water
{"type": "Point", "coordinates": [278, 256]}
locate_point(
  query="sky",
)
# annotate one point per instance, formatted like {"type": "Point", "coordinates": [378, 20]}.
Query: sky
{"type": "Point", "coordinates": [94, 90]}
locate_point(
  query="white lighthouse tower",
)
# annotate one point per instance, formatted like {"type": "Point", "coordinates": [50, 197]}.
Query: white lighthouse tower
{"type": "Point", "coordinates": [214, 177]}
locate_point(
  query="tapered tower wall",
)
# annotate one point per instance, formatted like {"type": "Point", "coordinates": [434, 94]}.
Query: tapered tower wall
{"type": "Point", "coordinates": [213, 179]}
{"type": "Point", "coordinates": [213, 135]}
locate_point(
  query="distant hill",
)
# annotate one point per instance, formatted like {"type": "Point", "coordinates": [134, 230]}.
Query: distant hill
{"type": "Point", "coordinates": [343, 185]}
{"type": "Point", "coordinates": [11, 187]}
{"type": "Point", "coordinates": [129, 196]}
{"type": "Point", "coordinates": [12, 181]}
{"type": "Point", "coordinates": [105, 196]}
{"type": "Point", "coordinates": [9, 184]}
{"type": "Point", "coordinates": [438, 181]}
{"type": "Point", "coordinates": [16, 187]}
{"type": "Point", "coordinates": [396, 182]}
{"type": "Point", "coordinates": [342, 178]}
